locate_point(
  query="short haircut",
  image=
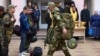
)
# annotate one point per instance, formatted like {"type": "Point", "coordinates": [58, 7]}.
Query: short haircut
{"type": "Point", "coordinates": [26, 7]}
{"type": "Point", "coordinates": [1, 8]}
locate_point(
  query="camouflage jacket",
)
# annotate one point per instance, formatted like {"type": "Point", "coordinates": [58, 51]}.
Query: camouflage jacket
{"type": "Point", "coordinates": [60, 21]}
{"type": "Point", "coordinates": [1, 26]}
{"type": "Point", "coordinates": [8, 24]}
{"type": "Point", "coordinates": [57, 25]}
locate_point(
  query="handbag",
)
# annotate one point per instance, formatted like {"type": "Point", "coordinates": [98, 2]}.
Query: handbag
{"type": "Point", "coordinates": [90, 31]}
{"type": "Point", "coordinates": [32, 33]}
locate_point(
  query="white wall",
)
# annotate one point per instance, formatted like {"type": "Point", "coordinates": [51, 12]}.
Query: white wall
{"type": "Point", "coordinates": [20, 4]}
{"type": "Point", "coordinates": [3, 3]}
{"type": "Point", "coordinates": [79, 5]}
{"type": "Point", "coordinates": [96, 5]}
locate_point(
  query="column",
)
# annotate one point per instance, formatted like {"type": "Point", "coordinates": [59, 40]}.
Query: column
{"type": "Point", "coordinates": [3, 3]}
{"type": "Point", "coordinates": [20, 4]}
{"type": "Point", "coordinates": [96, 5]}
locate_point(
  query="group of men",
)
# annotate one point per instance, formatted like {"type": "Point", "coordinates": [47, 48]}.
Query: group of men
{"type": "Point", "coordinates": [29, 21]}
{"type": "Point", "coordinates": [7, 21]}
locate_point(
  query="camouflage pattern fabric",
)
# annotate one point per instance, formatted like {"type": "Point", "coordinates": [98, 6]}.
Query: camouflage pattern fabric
{"type": "Point", "coordinates": [1, 33]}
{"type": "Point", "coordinates": [8, 31]}
{"type": "Point", "coordinates": [54, 35]}
{"type": "Point", "coordinates": [1, 29]}
{"type": "Point", "coordinates": [69, 25]}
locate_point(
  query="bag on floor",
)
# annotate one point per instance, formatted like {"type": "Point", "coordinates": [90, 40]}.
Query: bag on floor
{"type": "Point", "coordinates": [33, 39]}
{"type": "Point", "coordinates": [37, 51]}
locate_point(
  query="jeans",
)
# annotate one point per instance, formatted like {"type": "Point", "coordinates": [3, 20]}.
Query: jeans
{"type": "Point", "coordinates": [27, 44]}
{"type": "Point", "coordinates": [23, 41]}
{"type": "Point", "coordinates": [0, 50]}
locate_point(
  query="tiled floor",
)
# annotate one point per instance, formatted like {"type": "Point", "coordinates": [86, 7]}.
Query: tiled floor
{"type": "Point", "coordinates": [89, 48]}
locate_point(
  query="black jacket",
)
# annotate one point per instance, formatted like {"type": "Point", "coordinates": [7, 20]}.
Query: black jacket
{"type": "Point", "coordinates": [85, 15]}
{"type": "Point", "coordinates": [48, 20]}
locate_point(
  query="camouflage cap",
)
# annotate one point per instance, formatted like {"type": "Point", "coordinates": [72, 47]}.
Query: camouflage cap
{"type": "Point", "coordinates": [11, 6]}
{"type": "Point", "coordinates": [51, 4]}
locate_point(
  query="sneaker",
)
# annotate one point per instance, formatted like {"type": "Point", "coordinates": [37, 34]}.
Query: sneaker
{"type": "Point", "coordinates": [22, 54]}
{"type": "Point", "coordinates": [26, 51]}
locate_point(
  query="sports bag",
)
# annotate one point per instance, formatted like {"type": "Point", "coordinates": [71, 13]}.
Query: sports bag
{"type": "Point", "coordinates": [37, 51]}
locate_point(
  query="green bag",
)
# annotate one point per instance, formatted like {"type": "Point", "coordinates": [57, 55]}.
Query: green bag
{"type": "Point", "coordinates": [72, 43]}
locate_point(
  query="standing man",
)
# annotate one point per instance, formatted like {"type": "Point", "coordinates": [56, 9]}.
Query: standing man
{"type": "Point", "coordinates": [59, 5]}
{"type": "Point", "coordinates": [9, 21]}
{"type": "Point", "coordinates": [1, 27]}
{"type": "Point", "coordinates": [37, 15]}
{"type": "Point", "coordinates": [57, 27]}
{"type": "Point", "coordinates": [24, 29]}
{"type": "Point", "coordinates": [85, 17]}
{"type": "Point", "coordinates": [67, 8]}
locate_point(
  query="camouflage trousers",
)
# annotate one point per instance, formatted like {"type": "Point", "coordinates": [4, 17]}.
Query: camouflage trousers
{"type": "Point", "coordinates": [0, 45]}
{"type": "Point", "coordinates": [6, 41]}
{"type": "Point", "coordinates": [1, 37]}
{"type": "Point", "coordinates": [56, 46]}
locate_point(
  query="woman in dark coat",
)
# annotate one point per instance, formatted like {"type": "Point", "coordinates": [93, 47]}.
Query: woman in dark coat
{"type": "Point", "coordinates": [95, 24]}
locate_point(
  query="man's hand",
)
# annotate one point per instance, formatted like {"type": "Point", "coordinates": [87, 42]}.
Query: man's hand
{"type": "Point", "coordinates": [13, 19]}
{"type": "Point", "coordinates": [64, 31]}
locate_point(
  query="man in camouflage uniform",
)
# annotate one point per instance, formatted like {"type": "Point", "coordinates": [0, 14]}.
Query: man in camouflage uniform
{"type": "Point", "coordinates": [54, 38]}
{"type": "Point", "coordinates": [1, 27]}
{"type": "Point", "coordinates": [9, 21]}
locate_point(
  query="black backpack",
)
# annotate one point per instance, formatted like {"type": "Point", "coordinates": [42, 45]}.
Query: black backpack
{"type": "Point", "coordinates": [37, 51]}
{"type": "Point", "coordinates": [33, 31]}
{"type": "Point", "coordinates": [17, 30]}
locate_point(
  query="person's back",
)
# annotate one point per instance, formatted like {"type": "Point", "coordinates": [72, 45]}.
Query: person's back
{"type": "Point", "coordinates": [95, 20]}
{"type": "Point", "coordinates": [95, 24]}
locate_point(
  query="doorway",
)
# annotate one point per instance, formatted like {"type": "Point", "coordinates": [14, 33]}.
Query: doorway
{"type": "Point", "coordinates": [43, 5]}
